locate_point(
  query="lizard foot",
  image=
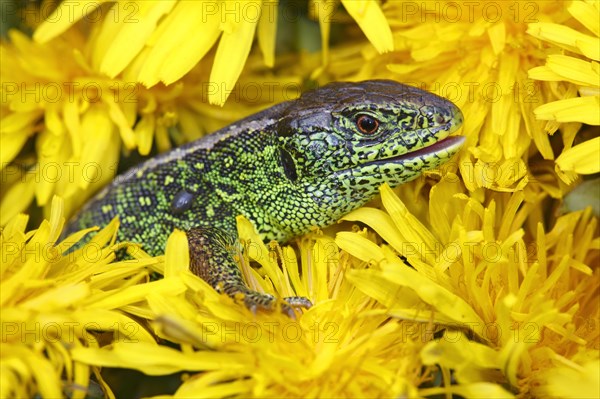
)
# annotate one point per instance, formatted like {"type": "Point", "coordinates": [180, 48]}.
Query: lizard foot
{"type": "Point", "coordinates": [212, 259]}
{"type": "Point", "coordinates": [255, 301]}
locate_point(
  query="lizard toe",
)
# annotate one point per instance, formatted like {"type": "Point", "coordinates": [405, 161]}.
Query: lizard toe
{"type": "Point", "coordinates": [256, 301]}
{"type": "Point", "coordinates": [298, 302]}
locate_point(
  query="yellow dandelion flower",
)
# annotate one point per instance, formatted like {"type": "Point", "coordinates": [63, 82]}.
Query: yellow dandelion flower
{"type": "Point", "coordinates": [140, 40]}
{"type": "Point", "coordinates": [527, 301]}
{"type": "Point", "coordinates": [373, 327]}
{"type": "Point", "coordinates": [579, 68]}
{"type": "Point", "coordinates": [343, 346]}
{"type": "Point", "coordinates": [39, 85]}
{"type": "Point", "coordinates": [53, 303]}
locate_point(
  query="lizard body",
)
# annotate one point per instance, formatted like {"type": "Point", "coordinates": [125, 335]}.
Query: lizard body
{"type": "Point", "coordinates": [299, 164]}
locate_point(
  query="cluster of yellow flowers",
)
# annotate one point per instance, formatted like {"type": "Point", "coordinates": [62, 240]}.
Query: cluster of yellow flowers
{"type": "Point", "coordinates": [500, 298]}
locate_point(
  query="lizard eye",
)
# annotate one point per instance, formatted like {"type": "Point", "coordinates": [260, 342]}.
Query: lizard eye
{"type": "Point", "coordinates": [367, 124]}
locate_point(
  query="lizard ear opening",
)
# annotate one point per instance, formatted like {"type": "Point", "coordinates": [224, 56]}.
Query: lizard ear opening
{"type": "Point", "coordinates": [289, 166]}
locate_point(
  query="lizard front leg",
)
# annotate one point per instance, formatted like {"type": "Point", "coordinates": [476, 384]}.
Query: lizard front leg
{"type": "Point", "coordinates": [212, 259]}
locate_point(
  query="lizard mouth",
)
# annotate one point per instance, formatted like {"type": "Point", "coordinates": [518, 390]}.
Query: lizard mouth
{"type": "Point", "coordinates": [449, 146]}
{"type": "Point", "coordinates": [443, 149]}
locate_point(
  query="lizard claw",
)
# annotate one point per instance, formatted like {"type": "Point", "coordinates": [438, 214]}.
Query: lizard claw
{"type": "Point", "coordinates": [292, 303]}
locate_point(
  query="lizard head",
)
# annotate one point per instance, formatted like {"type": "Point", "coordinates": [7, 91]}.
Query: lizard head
{"type": "Point", "coordinates": [339, 143]}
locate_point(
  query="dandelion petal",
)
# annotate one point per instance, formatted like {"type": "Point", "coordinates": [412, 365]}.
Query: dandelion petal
{"type": "Point", "coordinates": [372, 21]}
{"type": "Point", "coordinates": [173, 54]}
{"type": "Point", "coordinates": [177, 254]}
{"type": "Point", "coordinates": [588, 13]}
{"type": "Point", "coordinates": [267, 31]}
{"type": "Point", "coordinates": [578, 109]}
{"type": "Point", "coordinates": [64, 17]}
{"type": "Point", "coordinates": [131, 37]}
{"type": "Point", "coordinates": [231, 56]}
{"type": "Point", "coordinates": [584, 158]}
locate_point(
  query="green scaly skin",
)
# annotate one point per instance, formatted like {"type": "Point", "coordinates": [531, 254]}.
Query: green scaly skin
{"type": "Point", "coordinates": [299, 164]}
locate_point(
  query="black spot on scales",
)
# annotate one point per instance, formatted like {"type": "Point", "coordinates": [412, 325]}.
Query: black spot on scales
{"type": "Point", "coordinates": [182, 202]}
